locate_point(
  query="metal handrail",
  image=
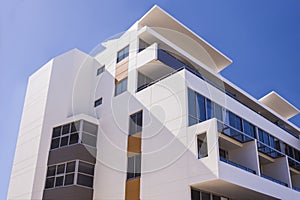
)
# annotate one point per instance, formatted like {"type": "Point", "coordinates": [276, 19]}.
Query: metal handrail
{"type": "Point", "coordinates": [237, 165]}
{"type": "Point", "coordinates": [274, 180]}
{"type": "Point", "coordinates": [226, 127]}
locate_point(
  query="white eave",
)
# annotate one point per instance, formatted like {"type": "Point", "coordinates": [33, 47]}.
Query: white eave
{"type": "Point", "coordinates": [279, 105]}
{"type": "Point", "coordinates": [156, 17]}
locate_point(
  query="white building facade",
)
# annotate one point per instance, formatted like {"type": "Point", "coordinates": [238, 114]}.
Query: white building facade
{"type": "Point", "coordinates": [150, 117]}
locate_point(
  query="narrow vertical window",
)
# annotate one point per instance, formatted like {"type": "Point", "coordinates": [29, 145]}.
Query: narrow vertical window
{"type": "Point", "coordinates": [122, 54]}
{"type": "Point", "coordinates": [202, 146]}
{"type": "Point", "coordinates": [135, 123]}
{"type": "Point", "coordinates": [121, 86]}
{"type": "Point", "coordinates": [192, 119]}
{"type": "Point", "coordinates": [134, 166]}
{"type": "Point", "coordinates": [201, 108]}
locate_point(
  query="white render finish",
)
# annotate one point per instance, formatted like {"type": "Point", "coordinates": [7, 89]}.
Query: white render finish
{"type": "Point", "coordinates": [65, 89]}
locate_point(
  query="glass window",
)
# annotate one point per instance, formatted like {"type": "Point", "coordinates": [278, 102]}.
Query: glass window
{"type": "Point", "coordinates": [121, 86]}
{"type": "Point", "coordinates": [134, 166]}
{"type": "Point", "coordinates": [69, 179]}
{"type": "Point", "coordinates": [51, 171]}
{"type": "Point", "coordinates": [135, 122]}
{"type": "Point", "coordinates": [205, 196]}
{"type": "Point", "coordinates": [75, 126]}
{"type": "Point", "coordinates": [201, 108]}
{"type": "Point", "coordinates": [59, 180]}
{"type": "Point", "coordinates": [90, 128]}
{"type": "Point", "coordinates": [64, 174]}
{"type": "Point", "coordinates": [70, 167]}
{"type": "Point", "coordinates": [49, 182]}
{"type": "Point", "coordinates": [235, 121]}
{"type": "Point", "coordinates": [88, 139]}
{"type": "Point", "coordinates": [60, 169]}
{"type": "Point", "coordinates": [100, 70]}
{"type": "Point", "coordinates": [86, 168]}
{"type": "Point", "coordinates": [195, 194]}
{"type": "Point", "coordinates": [64, 141]}
{"type": "Point", "coordinates": [55, 143]}
{"type": "Point", "coordinates": [74, 138]}
{"type": "Point", "coordinates": [66, 129]}
{"type": "Point", "coordinates": [56, 132]}
{"type": "Point", "coordinates": [85, 180]}
{"type": "Point", "coordinates": [216, 197]}
{"type": "Point", "coordinates": [130, 167]}
{"type": "Point", "coordinates": [218, 113]}
{"type": "Point", "coordinates": [192, 109]}
{"type": "Point", "coordinates": [202, 148]}
{"type": "Point", "coordinates": [122, 54]}
{"type": "Point", "coordinates": [209, 110]}
{"type": "Point", "coordinates": [249, 128]}
{"type": "Point", "coordinates": [98, 102]}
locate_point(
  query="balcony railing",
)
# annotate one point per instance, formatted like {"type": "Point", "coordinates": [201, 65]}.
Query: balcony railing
{"type": "Point", "coordinates": [238, 165]}
{"type": "Point", "coordinates": [294, 163]}
{"type": "Point", "coordinates": [270, 151]}
{"type": "Point", "coordinates": [297, 189]}
{"type": "Point", "coordinates": [274, 180]}
{"type": "Point", "coordinates": [178, 65]}
{"type": "Point", "coordinates": [233, 133]}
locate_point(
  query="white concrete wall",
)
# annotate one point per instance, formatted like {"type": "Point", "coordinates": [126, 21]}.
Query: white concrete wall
{"type": "Point", "coordinates": [27, 150]}
{"type": "Point", "coordinates": [246, 156]}
{"type": "Point", "coordinates": [278, 170]}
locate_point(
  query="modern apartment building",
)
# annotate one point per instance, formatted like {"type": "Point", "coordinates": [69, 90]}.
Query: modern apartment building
{"type": "Point", "coordinates": [150, 117]}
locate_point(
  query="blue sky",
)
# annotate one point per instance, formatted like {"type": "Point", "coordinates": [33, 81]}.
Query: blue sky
{"type": "Point", "coordinates": [262, 37]}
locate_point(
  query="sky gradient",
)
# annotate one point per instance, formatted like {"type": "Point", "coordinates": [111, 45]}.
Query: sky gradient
{"type": "Point", "coordinates": [262, 37]}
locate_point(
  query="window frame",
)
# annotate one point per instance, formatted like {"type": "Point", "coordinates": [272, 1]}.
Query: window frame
{"type": "Point", "coordinates": [123, 53]}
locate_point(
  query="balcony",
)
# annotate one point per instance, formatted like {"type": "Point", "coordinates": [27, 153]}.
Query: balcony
{"type": "Point", "coordinates": [234, 133]}
{"type": "Point", "coordinates": [155, 64]}
{"type": "Point", "coordinates": [269, 151]}
{"type": "Point", "coordinates": [274, 180]}
{"type": "Point", "coordinates": [237, 165]}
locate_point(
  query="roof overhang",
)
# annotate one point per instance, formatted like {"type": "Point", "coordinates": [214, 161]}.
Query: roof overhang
{"type": "Point", "coordinates": [279, 105]}
{"type": "Point", "coordinates": [158, 18]}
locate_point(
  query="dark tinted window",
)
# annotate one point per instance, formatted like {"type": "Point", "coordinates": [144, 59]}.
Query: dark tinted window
{"type": "Point", "coordinates": [195, 194]}
{"type": "Point", "coordinates": [135, 123]}
{"type": "Point", "coordinates": [69, 179]}
{"type": "Point", "coordinates": [70, 167]}
{"type": "Point", "coordinates": [201, 108]}
{"type": "Point", "coordinates": [98, 102]}
{"type": "Point", "coordinates": [205, 196]}
{"type": "Point", "coordinates": [75, 126]}
{"type": "Point", "coordinates": [60, 169]}
{"type": "Point", "coordinates": [55, 143]}
{"type": "Point", "coordinates": [49, 182]}
{"type": "Point", "coordinates": [59, 181]}
{"type": "Point", "coordinates": [56, 131]}
{"type": "Point", "coordinates": [86, 168]}
{"type": "Point", "coordinates": [51, 171]}
{"type": "Point", "coordinates": [74, 138]}
{"type": "Point", "coordinates": [64, 141]}
{"type": "Point", "coordinates": [66, 129]}
{"type": "Point", "coordinates": [85, 180]}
